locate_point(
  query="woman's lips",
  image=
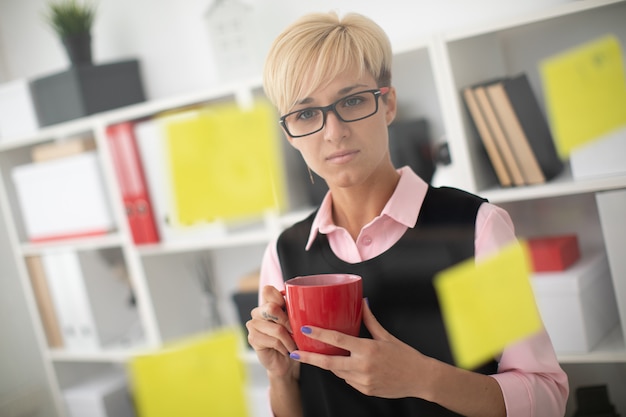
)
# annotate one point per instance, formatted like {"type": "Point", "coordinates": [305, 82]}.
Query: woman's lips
{"type": "Point", "coordinates": [341, 157]}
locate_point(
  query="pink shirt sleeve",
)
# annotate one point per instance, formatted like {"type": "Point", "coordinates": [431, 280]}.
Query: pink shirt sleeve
{"type": "Point", "coordinates": [529, 374]}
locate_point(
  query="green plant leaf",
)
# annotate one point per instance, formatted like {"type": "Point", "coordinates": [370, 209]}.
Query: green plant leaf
{"type": "Point", "coordinates": [69, 17]}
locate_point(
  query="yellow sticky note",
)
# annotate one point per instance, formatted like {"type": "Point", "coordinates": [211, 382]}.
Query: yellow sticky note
{"type": "Point", "coordinates": [199, 377]}
{"type": "Point", "coordinates": [225, 163]}
{"type": "Point", "coordinates": [487, 306]}
{"type": "Point", "coordinates": [585, 92]}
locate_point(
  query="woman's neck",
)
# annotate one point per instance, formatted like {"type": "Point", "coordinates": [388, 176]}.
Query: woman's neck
{"type": "Point", "coordinates": [356, 206]}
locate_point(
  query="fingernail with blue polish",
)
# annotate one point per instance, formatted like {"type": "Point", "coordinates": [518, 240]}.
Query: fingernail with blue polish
{"type": "Point", "coordinates": [294, 355]}
{"type": "Point", "coordinates": [306, 330]}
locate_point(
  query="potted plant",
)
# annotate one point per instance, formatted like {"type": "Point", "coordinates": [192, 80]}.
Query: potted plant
{"type": "Point", "coordinates": [72, 21]}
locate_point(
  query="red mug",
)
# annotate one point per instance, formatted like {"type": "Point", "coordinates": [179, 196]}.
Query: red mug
{"type": "Point", "coordinates": [329, 301]}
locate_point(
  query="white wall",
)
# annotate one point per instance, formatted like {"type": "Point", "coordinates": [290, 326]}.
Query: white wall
{"type": "Point", "coordinates": [3, 66]}
{"type": "Point", "coordinates": [171, 39]}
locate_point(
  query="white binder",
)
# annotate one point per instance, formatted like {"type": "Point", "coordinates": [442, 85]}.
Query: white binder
{"type": "Point", "coordinates": [64, 277]}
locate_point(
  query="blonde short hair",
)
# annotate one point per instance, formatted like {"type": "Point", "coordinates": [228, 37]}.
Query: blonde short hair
{"type": "Point", "coordinates": [316, 48]}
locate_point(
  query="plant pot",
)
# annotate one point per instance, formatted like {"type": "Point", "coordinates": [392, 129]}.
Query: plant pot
{"type": "Point", "coordinates": [78, 48]}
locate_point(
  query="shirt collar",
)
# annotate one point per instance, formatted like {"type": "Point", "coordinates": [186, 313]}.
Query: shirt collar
{"type": "Point", "coordinates": [409, 193]}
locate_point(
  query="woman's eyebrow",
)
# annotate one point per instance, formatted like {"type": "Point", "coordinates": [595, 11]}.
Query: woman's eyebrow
{"type": "Point", "coordinates": [349, 89]}
{"type": "Point", "coordinates": [305, 100]}
{"type": "Point", "coordinates": [341, 92]}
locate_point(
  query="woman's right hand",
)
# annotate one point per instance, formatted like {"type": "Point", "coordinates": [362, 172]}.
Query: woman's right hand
{"type": "Point", "coordinates": [269, 334]}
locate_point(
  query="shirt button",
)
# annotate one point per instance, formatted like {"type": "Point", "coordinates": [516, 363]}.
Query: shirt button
{"type": "Point", "coordinates": [367, 240]}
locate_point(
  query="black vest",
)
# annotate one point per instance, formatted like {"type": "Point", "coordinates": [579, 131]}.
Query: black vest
{"type": "Point", "coordinates": [400, 292]}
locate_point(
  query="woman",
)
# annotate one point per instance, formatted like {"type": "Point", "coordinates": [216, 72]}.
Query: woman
{"type": "Point", "coordinates": [330, 79]}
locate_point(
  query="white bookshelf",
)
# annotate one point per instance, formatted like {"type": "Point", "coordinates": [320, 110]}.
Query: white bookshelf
{"type": "Point", "coordinates": [562, 185]}
{"type": "Point", "coordinates": [611, 349]}
{"type": "Point", "coordinates": [429, 74]}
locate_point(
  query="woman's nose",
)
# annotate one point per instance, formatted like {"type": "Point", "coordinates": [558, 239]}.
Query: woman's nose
{"type": "Point", "coordinates": [334, 127]}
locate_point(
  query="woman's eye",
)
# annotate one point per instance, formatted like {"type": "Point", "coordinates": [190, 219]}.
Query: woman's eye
{"type": "Point", "coordinates": [352, 101]}
{"type": "Point", "coordinates": [306, 114]}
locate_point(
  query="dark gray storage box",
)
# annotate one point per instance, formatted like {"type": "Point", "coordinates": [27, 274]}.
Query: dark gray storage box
{"type": "Point", "coordinates": [86, 89]}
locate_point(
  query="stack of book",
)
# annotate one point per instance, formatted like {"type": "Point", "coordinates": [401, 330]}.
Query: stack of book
{"type": "Point", "coordinates": [513, 130]}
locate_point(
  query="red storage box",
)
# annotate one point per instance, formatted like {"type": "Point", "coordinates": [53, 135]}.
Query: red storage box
{"type": "Point", "coordinates": [553, 253]}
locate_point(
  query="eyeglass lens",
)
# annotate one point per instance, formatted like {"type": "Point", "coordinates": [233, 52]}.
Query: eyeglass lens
{"type": "Point", "coordinates": [349, 109]}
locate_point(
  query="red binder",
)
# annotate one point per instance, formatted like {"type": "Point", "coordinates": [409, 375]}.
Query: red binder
{"type": "Point", "coordinates": [132, 181]}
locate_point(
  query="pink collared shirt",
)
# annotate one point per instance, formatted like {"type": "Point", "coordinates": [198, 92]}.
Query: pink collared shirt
{"type": "Point", "coordinates": [529, 374]}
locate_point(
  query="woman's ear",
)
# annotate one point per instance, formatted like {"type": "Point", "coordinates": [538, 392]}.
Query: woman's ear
{"type": "Point", "coordinates": [390, 105]}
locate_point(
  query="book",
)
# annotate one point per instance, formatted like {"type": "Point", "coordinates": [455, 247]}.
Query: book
{"type": "Point", "coordinates": [132, 182]}
{"type": "Point", "coordinates": [45, 303]}
{"type": "Point", "coordinates": [486, 137]}
{"type": "Point", "coordinates": [514, 134]}
{"type": "Point", "coordinates": [76, 293]}
{"type": "Point", "coordinates": [63, 198]}
{"type": "Point", "coordinates": [61, 149]}
{"type": "Point", "coordinates": [535, 128]}
{"type": "Point", "coordinates": [499, 136]}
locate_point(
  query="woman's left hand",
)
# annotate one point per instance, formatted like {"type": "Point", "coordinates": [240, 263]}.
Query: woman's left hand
{"type": "Point", "coordinates": [383, 366]}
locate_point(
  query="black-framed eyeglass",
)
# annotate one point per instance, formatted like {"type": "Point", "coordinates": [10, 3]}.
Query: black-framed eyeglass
{"type": "Point", "coordinates": [351, 108]}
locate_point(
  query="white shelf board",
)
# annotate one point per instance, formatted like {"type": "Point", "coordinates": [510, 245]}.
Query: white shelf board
{"type": "Point", "coordinates": [90, 243]}
{"type": "Point", "coordinates": [113, 354]}
{"type": "Point", "coordinates": [144, 109]}
{"type": "Point", "coordinates": [248, 356]}
{"type": "Point", "coordinates": [295, 216]}
{"type": "Point", "coordinates": [260, 233]}
{"type": "Point", "coordinates": [212, 242]}
{"type": "Point", "coordinates": [610, 350]}
{"type": "Point", "coordinates": [62, 130]}
{"type": "Point", "coordinates": [257, 234]}
{"type": "Point", "coordinates": [150, 108]}
{"type": "Point", "coordinates": [562, 185]}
